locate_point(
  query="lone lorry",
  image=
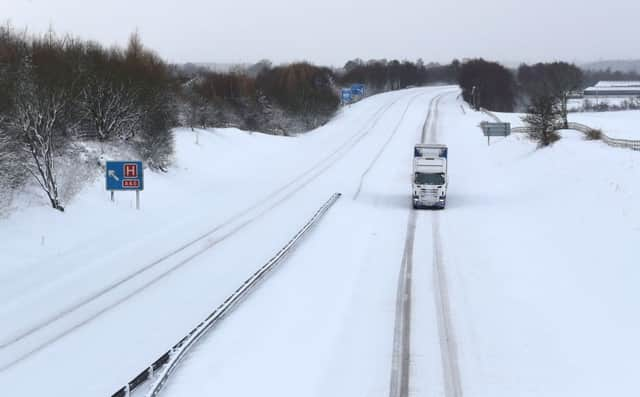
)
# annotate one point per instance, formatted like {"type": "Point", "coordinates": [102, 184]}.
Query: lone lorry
{"type": "Point", "coordinates": [430, 176]}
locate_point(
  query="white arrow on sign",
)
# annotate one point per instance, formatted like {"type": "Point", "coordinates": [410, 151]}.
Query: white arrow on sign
{"type": "Point", "coordinates": [113, 175]}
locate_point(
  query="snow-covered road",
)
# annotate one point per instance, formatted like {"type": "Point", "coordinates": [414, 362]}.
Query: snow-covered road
{"type": "Point", "coordinates": [525, 285]}
{"type": "Point", "coordinates": [328, 314]}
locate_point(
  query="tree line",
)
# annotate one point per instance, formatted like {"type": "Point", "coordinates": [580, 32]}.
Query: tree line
{"type": "Point", "coordinates": [591, 77]}
{"type": "Point", "coordinates": [292, 97]}
{"type": "Point", "coordinates": [382, 75]}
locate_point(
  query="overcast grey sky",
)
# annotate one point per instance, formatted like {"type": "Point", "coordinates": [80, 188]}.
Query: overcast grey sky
{"type": "Point", "coordinates": [333, 31]}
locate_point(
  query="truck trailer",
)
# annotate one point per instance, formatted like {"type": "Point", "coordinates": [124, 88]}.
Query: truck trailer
{"type": "Point", "coordinates": [430, 176]}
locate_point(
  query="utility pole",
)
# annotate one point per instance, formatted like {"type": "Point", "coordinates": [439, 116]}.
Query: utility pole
{"type": "Point", "coordinates": [473, 97]}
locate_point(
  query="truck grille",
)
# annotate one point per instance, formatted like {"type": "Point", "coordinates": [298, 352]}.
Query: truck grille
{"type": "Point", "coordinates": [429, 192]}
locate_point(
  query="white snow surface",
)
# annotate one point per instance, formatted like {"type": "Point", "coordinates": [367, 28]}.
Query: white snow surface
{"type": "Point", "coordinates": [622, 124]}
{"type": "Point", "coordinates": [539, 250]}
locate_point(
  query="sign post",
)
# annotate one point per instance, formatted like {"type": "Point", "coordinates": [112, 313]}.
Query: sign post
{"type": "Point", "coordinates": [495, 129]}
{"type": "Point", "coordinates": [125, 175]}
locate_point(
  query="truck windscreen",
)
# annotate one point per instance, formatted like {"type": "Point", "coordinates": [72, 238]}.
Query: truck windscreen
{"type": "Point", "coordinates": [429, 179]}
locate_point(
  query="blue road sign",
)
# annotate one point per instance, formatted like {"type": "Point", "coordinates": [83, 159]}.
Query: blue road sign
{"type": "Point", "coordinates": [125, 175]}
{"type": "Point", "coordinates": [357, 89]}
{"type": "Point", "coordinates": [346, 96]}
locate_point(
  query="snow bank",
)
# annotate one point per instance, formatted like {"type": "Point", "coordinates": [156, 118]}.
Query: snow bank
{"type": "Point", "coordinates": [624, 124]}
{"type": "Point", "coordinates": [541, 250]}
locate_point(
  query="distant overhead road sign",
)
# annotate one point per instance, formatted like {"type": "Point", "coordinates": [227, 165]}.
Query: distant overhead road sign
{"type": "Point", "coordinates": [357, 89]}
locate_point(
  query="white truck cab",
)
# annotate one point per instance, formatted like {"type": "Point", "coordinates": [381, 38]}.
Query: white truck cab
{"type": "Point", "coordinates": [430, 176]}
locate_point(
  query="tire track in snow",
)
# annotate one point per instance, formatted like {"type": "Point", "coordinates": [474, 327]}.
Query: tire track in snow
{"type": "Point", "coordinates": [448, 345]}
{"type": "Point", "coordinates": [399, 384]}
{"type": "Point", "coordinates": [435, 100]}
{"type": "Point", "coordinates": [429, 130]}
{"type": "Point", "coordinates": [400, 381]}
{"type": "Point", "coordinates": [236, 222]}
{"type": "Point", "coordinates": [446, 335]}
{"type": "Point", "coordinates": [384, 146]}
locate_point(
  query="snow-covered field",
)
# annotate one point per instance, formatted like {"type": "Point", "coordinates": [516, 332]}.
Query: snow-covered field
{"type": "Point", "coordinates": [539, 250]}
{"type": "Point", "coordinates": [624, 124]}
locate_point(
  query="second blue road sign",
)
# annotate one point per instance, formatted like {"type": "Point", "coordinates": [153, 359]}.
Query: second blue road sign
{"type": "Point", "coordinates": [357, 89]}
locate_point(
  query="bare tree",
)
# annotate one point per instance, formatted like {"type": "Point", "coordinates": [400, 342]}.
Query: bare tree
{"type": "Point", "coordinates": [543, 117]}
{"type": "Point", "coordinates": [566, 78]}
{"type": "Point", "coordinates": [112, 108]}
{"type": "Point", "coordinates": [196, 112]}
{"type": "Point", "coordinates": [37, 112]}
{"type": "Point", "coordinates": [557, 79]}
